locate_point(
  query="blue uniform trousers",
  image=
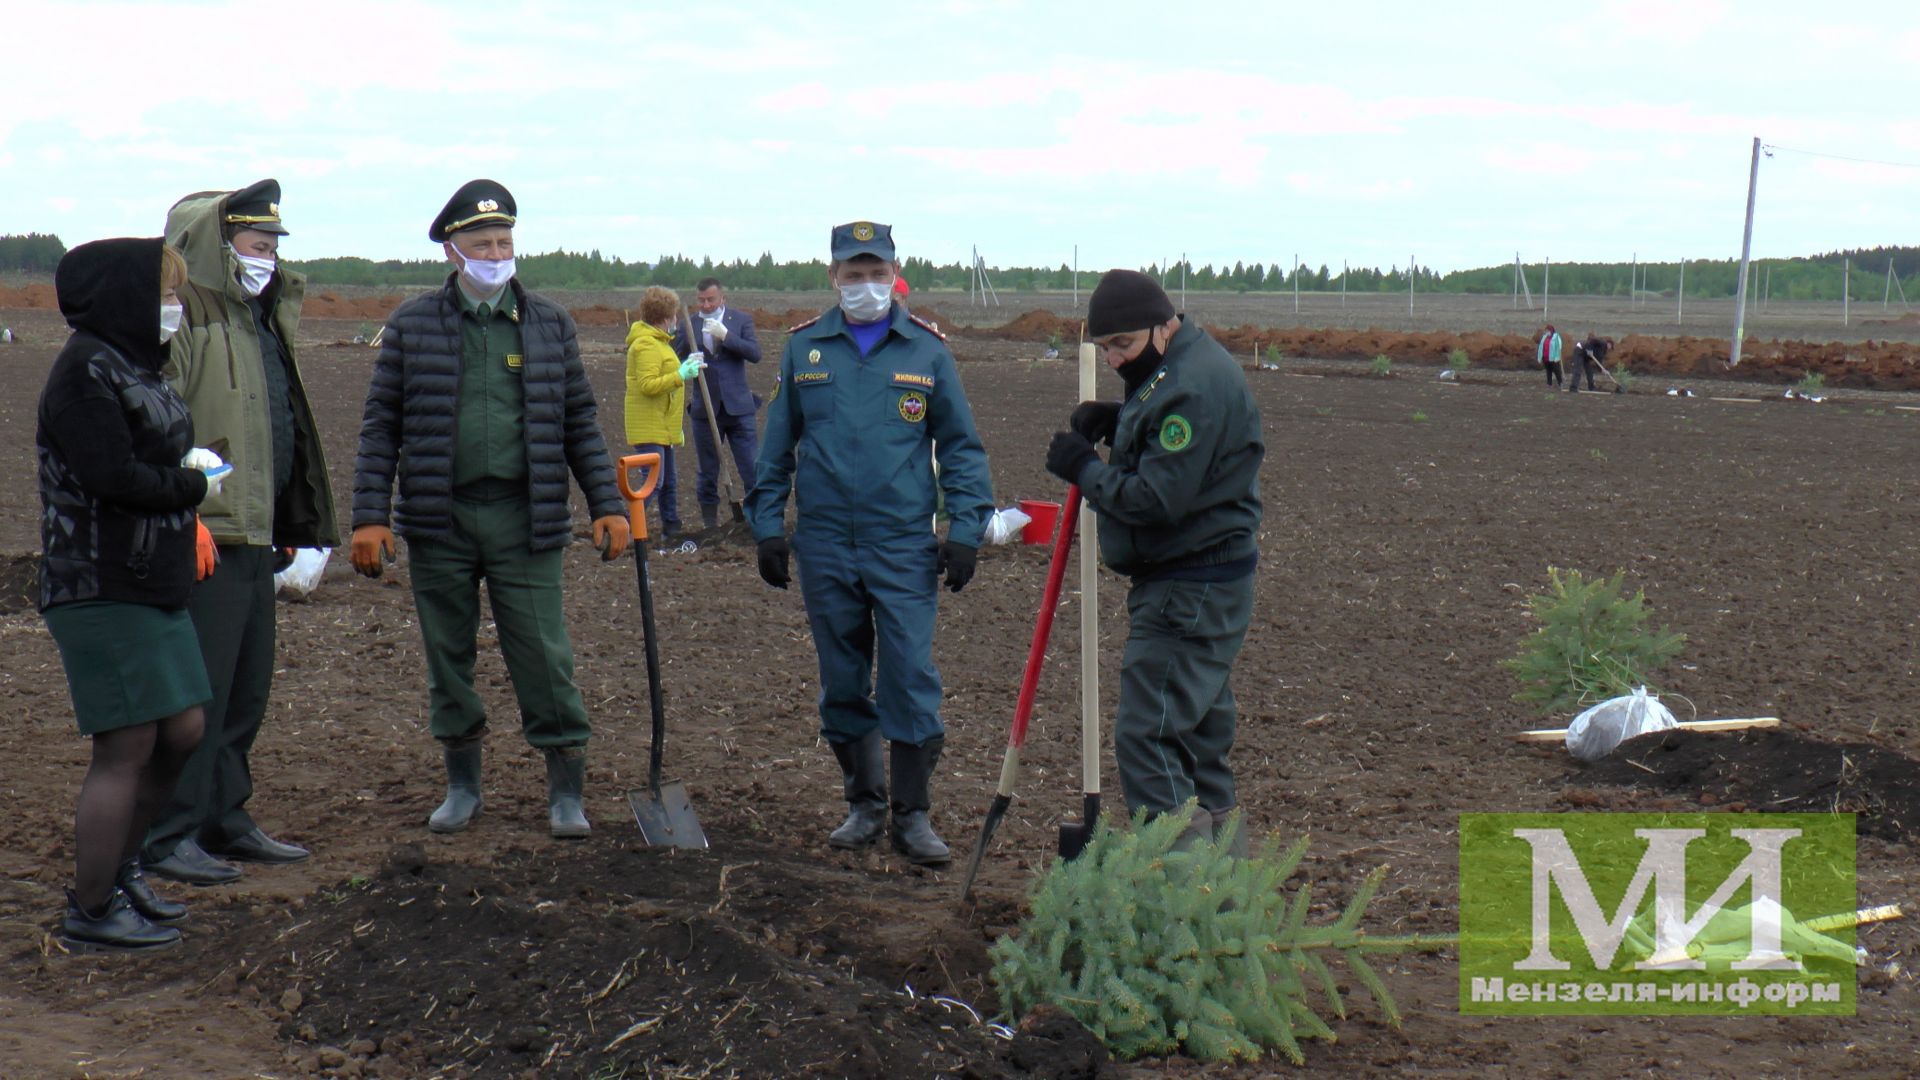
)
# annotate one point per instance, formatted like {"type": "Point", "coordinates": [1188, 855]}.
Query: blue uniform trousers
{"type": "Point", "coordinates": [740, 437]}
{"type": "Point", "coordinates": [867, 598]}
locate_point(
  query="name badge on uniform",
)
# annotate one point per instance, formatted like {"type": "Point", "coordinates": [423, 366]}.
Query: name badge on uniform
{"type": "Point", "coordinates": [909, 378]}
{"type": "Point", "coordinates": [812, 378]}
{"type": "Point", "coordinates": [513, 361]}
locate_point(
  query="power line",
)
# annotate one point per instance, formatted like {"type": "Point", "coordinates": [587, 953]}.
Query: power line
{"type": "Point", "coordinates": [1771, 147]}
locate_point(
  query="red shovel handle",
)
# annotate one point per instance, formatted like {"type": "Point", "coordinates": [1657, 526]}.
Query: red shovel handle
{"type": "Point", "coordinates": [1043, 626]}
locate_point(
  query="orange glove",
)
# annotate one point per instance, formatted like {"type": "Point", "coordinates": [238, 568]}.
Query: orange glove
{"type": "Point", "coordinates": [205, 555]}
{"type": "Point", "coordinates": [611, 534]}
{"type": "Point", "coordinates": [372, 547]}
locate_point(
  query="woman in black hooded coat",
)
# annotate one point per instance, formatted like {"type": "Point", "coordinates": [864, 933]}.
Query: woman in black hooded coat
{"type": "Point", "coordinates": [118, 560]}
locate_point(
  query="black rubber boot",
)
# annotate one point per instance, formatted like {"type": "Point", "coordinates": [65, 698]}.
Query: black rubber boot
{"type": "Point", "coordinates": [119, 928]}
{"type": "Point", "coordinates": [151, 904]}
{"type": "Point", "coordinates": [566, 780]}
{"type": "Point", "coordinates": [1238, 847]}
{"type": "Point", "coordinates": [710, 515]}
{"type": "Point", "coordinates": [863, 771]}
{"type": "Point", "coordinates": [913, 834]}
{"type": "Point", "coordinates": [463, 785]}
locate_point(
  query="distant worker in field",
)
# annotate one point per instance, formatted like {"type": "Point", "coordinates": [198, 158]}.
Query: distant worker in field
{"type": "Point", "coordinates": [1178, 500]}
{"type": "Point", "coordinates": [727, 341]}
{"type": "Point", "coordinates": [656, 398]}
{"type": "Point", "coordinates": [868, 399]}
{"type": "Point", "coordinates": [1588, 355]}
{"type": "Point", "coordinates": [1548, 352]}
{"type": "Point", "coordinates": [481, 408]}
{"type": "Point", "coordinates": [234, 361]}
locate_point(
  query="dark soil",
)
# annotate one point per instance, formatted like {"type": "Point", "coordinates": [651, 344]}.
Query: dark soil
{"type": "Point", "coordinates": [1407, 520]}
{"type": "Point", "coordinates": [1774, 770]}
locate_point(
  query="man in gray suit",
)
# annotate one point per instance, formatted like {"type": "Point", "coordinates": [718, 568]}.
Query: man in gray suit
{"type": "Point", "coordinates": [728, 340]}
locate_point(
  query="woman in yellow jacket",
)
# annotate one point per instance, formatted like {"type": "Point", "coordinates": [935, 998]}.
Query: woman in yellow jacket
{"type": "Point", "coordinates": [656, 398]}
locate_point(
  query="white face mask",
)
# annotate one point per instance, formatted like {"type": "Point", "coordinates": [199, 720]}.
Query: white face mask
{"type": "Point", "coordinates": [486, 276]}
{"type": "Point", "coordinates": [255, 272]}
{"type": "Point", "coordinates": [170, 315]}
{"type": "Point", "coordinates": [866, 302]}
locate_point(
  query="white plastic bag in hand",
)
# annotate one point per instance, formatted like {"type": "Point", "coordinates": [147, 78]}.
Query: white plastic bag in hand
{"type": "Point", "coordinates": [1005, 525]}
{"type": "Point", "coordinates": [1595, 733]}
{"type": "Point", "coordinates": [303, 575]}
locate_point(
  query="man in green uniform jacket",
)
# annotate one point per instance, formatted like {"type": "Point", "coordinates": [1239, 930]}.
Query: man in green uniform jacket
{"type": "Point", "coordinates": [1179, 507]}
{"type": "Point", "coordinates": [481, 410]}
{"type": "Point", "coordinates": [233, 361]}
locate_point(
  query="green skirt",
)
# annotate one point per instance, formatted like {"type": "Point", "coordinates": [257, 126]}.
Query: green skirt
{"type": "Point", "coordinates": [127, 664]}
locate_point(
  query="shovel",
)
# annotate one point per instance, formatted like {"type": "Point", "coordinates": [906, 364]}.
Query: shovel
{"type": "Point", "coordinates": [1074, 835]}
{"type": "Point", "coordinates": [664, 811]}
{"type": "Point", "coordinates": [720, 449]}
{"type": "Point", "coordinates": [1029, 684]}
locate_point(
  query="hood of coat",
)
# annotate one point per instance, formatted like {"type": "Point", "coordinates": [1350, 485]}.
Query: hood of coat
{"type": "Point", "coordinates": [110, 289]}
{"type": "Point", "coordinates": [194, 226]}
{"type": "Point", "coordinates": [645, 332]}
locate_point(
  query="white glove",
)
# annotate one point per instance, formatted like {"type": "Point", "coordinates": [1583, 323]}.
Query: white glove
{"type": "Point", "coordinates": [716, 329]}
{"type": "Point", "coordinates": [202, 459]}
{"type": "Point", "coordinates": [215, 479]}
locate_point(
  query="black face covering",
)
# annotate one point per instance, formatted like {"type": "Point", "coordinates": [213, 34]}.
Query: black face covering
{"type": "Point", "coordinates": [1137, 370]}
{"type": "Point", "coordinates": [111, 290]}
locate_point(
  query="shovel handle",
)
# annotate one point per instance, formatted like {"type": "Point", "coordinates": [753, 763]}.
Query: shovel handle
{"type": "Point", "coordinates": [1043, 626]}
{"type": "Point", "coordinates": [637, 500]}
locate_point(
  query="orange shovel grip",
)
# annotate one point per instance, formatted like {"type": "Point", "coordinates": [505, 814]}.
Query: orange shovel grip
{"type": "Point", "coordinates": [637, 500]}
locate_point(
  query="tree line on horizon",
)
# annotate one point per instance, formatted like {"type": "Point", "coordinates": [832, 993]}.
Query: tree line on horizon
{"type": "Point", "coordinates": [1815, 277]}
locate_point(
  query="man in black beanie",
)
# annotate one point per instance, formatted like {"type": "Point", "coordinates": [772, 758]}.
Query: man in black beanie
{"type": "Point", "coordinates": [1179, 505]}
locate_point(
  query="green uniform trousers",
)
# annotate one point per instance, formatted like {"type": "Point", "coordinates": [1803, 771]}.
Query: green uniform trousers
{"type": "Point", "coordinates": [233, 616]}
{"type": "Point", "coordinates": [489, 543]}
{"type": "Point", "coordinates": [1176, 721]}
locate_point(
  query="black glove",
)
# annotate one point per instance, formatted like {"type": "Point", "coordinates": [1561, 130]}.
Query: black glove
{"type": "Point", "coordinates": [773, 561]}
{"type": "Point", "coordinates": [1068, 454]}
{"type": "Point", "coordinates": [957, 562]}
{"type": "Point", "coordinates": [1096, 421]}
{"type": "Point", "coordinates": [282, 558]}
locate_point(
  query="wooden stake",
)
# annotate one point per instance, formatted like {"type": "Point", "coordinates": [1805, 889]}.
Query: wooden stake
{"type": "Point", "coordinates": [1560, 734]}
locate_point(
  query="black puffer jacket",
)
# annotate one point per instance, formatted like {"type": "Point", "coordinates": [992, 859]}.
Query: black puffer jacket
{"type": "Point", "coordinates": [116, 520]}
{"type": "Point", "coordinates": [408, 425]}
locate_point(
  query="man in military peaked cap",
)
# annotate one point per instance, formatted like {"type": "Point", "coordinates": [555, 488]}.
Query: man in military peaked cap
{"type": "Point", "coordinates": [234, 363]}
{"type": "Point", "coordinates": [869, 396]}
{"type": "Point", "coordinates": [481, 432]}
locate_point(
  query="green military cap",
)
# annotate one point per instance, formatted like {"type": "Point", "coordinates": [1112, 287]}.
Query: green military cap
{"type": "Point", "coordinates": [862, 238]}
{"type": "Point", "coordinates": [256, 207]}
{"type": "Point", "coordinates": [478, 203]}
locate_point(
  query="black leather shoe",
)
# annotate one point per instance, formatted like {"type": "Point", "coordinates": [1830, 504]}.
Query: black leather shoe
{"type": "Point", "coordinates": [117, 928]}
{"type": "Point", "coordinates": [156, 908]}
{"type": "Point", "coordinates": [258, 847]}
{"type": "Point", "coordinates": [190, 864]}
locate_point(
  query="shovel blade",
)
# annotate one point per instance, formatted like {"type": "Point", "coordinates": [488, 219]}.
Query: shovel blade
{"type": "Point", "coordinates": [1074, 835]}
{"type": "Point", "coordinates": [666, 817]}
{"type": "Point", "coordinates": [994, 813]}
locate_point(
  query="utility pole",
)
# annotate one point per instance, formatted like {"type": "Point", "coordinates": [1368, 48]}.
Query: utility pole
{"type": "Point", "coordinates": [1516, 281]}
{"type": "Point", "coordinates": [1633, 273]}
{"type": "Point", "coordinates": [1886, 299]}
{"type": "Point", "coordinates": [1746, 251]}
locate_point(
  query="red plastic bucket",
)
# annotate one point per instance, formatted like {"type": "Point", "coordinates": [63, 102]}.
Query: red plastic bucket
{"type": "Point", "coordinates": [1045, 516]}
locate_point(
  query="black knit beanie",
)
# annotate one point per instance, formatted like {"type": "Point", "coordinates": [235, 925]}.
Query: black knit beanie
{"type": "Point", "coordinates": [1126, 300]}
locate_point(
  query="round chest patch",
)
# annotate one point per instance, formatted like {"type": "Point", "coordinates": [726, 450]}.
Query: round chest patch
{"type": "Point", "coordinates": [813, 357]}
{"type": "Point", "coordinates": [913, 406]}
{"type": "Point", "coordinates": [1175, 433]}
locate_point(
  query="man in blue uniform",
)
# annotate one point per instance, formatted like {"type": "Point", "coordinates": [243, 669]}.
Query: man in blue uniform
{"type": "Point", "coordinates": [1179, 506]}
{"type": "Point", "coordinates": [868, 398]}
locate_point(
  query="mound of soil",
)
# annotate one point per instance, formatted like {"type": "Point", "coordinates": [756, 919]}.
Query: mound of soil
{"type": "Point", "coordinates": [1775, 770]}
{"type": "Point", "coordinates": [614, 959]}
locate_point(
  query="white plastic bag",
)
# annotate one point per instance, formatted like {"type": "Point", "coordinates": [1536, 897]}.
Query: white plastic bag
{"type": "Point", "coordinates": [1594, 733]}
{"type": "Point", "coordinates": [1005, 525]}
{"type": "Point", "coordinates": [303, 576]}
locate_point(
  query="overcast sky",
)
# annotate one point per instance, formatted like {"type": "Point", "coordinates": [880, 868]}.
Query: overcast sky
{"type": "Point", "coordinates": [1457, 132]}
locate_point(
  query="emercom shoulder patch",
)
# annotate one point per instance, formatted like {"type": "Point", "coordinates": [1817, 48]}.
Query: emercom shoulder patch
{"type": "Point", "coordinates": [1175, 433]}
